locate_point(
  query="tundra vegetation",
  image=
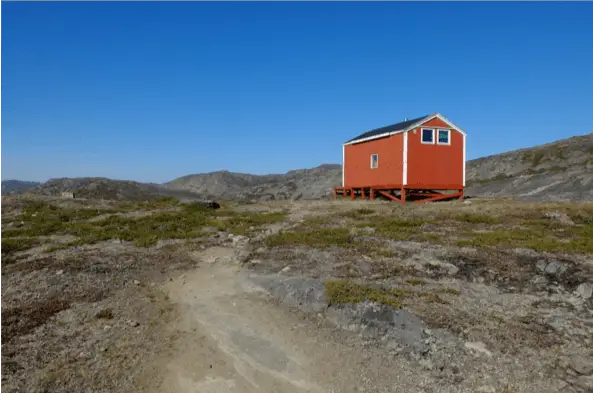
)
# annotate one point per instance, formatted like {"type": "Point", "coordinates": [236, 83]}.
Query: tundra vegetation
{"type": "Point", "coordinates": [84, 305]}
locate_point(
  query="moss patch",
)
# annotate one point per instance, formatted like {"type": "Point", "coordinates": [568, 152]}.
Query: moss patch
{"type": "Point", "coordinates": [359, 213]}
{"type": "Point", "coordinates": [347, 291]}
{"type": "Point", "coordinates": [538, 237]}
{"type": "Point", "coordinates": [318, 238]}
{"type": "Point", "coordinates": [449, 291]}
{"type": "Point", "coordinates": [400, 229]}
{"type": "Point", "coordinates": [12, 245]}
{"type": "Point", "coordinates": [344, 291]}
{"type": "Point", "coordinates": [477, 218]}
{"type": "Point", "coordinates": [184, 222]}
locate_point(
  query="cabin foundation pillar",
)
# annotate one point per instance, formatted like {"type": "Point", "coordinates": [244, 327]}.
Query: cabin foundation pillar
{"type": "Point", "coordinates": [403, 194]}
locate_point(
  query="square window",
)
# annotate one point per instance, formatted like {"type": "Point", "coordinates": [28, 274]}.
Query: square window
{"type": "Point", "coordinates": [427, 135]}
{"type": "Point", "coordinates": [374, 161]}
{"type": "Point", "coordinates": [443, 138]}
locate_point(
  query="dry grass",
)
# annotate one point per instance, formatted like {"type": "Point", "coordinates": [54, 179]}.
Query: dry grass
{"type": "Point", "coordinates": [318, 238]}
{"type": "Point", "coordinates": [105, 314]}
{"type": "Point", "coordinates": [416, 281]}
{"type": "Point", "coordinates": [348, 291]}
{"type": "Point", "coordinates": [176, 221]}
{"type": "Point", "coordinates": [483, 224]}
{"type": "Point", "coordinates": [344, 291]}
{"type": "Point", "coordinates": [18, 321]}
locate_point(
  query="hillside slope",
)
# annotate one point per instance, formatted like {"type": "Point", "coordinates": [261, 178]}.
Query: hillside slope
{"type": "Point", "coordinates": [17, 186]}
{"type": "Point", "coordinates": [562, 170]}
{"type": "Point", "coordinates": [103, 188]}
{"type": "Point", "coordinates": [314, 183]}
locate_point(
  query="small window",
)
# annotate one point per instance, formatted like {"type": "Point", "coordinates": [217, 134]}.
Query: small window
{"type": "Point", "coordinates": [427, 135]}
{"type": "Point", "coordinates": [374, 161]}
{"type": "Point", "coordinates": [443, 138]}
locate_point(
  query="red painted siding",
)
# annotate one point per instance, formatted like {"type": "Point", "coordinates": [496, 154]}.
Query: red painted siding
{"type": "Point", "coordinates": [434, 164]}
{"type": "Point", "coordinates": [436, 122]}
{"type": "Point", "coordinates": [357, 162]}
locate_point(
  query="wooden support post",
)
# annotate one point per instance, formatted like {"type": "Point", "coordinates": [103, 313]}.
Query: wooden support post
{"type": "Point", "coordinates": [403, 196]}
{"type": "Point", "coordinates": [372, 194]}
{"type": "Point", "coordinates": [362, 193]}
{"type": "Point", "coordinates": [440, 197]}
{"type": "Point", "coordinates": [388, 195]}
{"type": "Point", "coordinates": [352, 194]}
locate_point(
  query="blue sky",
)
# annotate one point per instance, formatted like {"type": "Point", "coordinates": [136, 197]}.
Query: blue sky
{"type": "Point", "coordinates": [151, 91]}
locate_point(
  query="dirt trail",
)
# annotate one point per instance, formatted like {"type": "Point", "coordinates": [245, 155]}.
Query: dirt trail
{"type": "Point", "coordinates": [234, 339]}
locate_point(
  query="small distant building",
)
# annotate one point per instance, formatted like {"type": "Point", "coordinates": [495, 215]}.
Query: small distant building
{"type": "Point", "coordinates": [422, 158]}
{"type": "Point", "coordinates": [67, 195]}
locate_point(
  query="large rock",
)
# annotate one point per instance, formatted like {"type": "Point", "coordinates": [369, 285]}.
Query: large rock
{"type": "Point", "coordinates": [582, 364]}
{"type": "Point", "coordinates": [399, 329]}
{"type": "Point", "coordinates": [207, 203]}
{"type": "Point", "coordinates": [585, 290]}
{"type": "Point", "coordinates": [553, 268]}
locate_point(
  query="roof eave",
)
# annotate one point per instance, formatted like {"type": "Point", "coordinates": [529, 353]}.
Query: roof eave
{"type": "Point", "coordinates": [370, 138]}
{"type": "Point", "coordinates": [411, 127]}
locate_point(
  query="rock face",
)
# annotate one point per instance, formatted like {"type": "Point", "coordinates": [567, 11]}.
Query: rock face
{"type": "Point", "coordinates": [552, 268]}
{"type": "Point", "coordinates": [578, 373]}
{"type": "Point", "coordinates": [555, 171]}
{"type": "Point", "coordinates": [585, 290]}
{"type": "Point", "coordinates": [399, 329]}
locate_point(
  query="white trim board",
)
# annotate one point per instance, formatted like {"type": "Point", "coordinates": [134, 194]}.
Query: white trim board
{"type": "Point", "coordinates": [463, 184]}
{"type": "Point", "coordinates": [405, 163]}
{"type": "Point", "coordinates": [343, 164]}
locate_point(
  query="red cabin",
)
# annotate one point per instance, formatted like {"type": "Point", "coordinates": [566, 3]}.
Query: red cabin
{"type": "Point", "coordinates": [421, 159]}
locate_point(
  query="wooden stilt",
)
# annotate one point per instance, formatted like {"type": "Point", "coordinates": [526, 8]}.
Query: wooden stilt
{"type": "Point", "coordinates": [416, 193]}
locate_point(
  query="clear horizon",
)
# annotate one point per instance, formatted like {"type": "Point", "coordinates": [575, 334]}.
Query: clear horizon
{"type": "Point", "coordinates": [154, 91]}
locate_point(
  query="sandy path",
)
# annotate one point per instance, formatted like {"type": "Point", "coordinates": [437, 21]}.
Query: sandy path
{"type": "Point", "coordinates": [234, 339]}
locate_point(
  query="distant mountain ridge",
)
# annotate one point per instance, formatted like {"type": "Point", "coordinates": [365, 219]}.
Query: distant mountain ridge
{"type": "Point", "coordinates": [562, 170]}
{"type": "Point", "coordinates": [17, 186]}
{"type": "Point", "coordinates": [103, 188]}
{"type": "Point", "coordinates": [313, 183]}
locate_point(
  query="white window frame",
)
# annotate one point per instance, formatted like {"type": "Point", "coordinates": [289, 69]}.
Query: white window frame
{"type": "Point", "coordinates": [422, 136]}
{"type": "Point", "coordinates": [377, 166]}
{"type": "Point", "coordinates": [448, 136]}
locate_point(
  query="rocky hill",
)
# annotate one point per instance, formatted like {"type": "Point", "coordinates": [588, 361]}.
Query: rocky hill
{"type": "Point", "coordinates": [17, 186]}
{"type": "Point", "coordinates": [314, 183]}
{"type": "Point", "coordinates": [562, 170]}
{"type": "Point", "coordinates": [103, 188]}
